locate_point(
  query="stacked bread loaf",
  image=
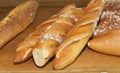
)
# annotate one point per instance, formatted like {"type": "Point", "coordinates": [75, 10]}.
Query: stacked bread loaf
{"type": "Point", "coordinates": [65, 34]}
{"type": "Point", "coordinates": [47, 36]}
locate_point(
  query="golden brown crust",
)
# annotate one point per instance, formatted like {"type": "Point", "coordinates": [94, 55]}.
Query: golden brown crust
{"type": "Point", "coordinates": [77, 38]}
{"type": "Point", "coordinates": [107, 43]}
{"type": "Point", "coordinates": [17, 20]}
{"type": "Point", "coordinates": [52, 37]}
{"type": "Point", "coordinates": [25, 48]}
{"type": "Point", "coordinates": [107, 35]}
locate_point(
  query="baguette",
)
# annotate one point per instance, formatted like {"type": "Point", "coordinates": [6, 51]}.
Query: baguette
{"type": "Point", "coordinates": [107, 35]}
{"type": "Point", "coordinates": [17, 20]}
{"type": "Point", "coordinates": [52, 37]}
{"type": "Point", "coordinates": [25, 48]}
{"type": "Point", "coordinates": [77, 38]}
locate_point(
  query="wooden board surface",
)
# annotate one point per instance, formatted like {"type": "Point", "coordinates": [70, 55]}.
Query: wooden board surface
{"type": "Point", "coordinates": [88, 61]}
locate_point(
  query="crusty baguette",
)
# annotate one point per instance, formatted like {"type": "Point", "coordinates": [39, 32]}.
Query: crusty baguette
{"type": "Point", "coordinates": [17, 20]}
{"type": "Point", "coordinates": [107, 35]}
{"type": "Point", "coordinates": [54, 35]}
{"type": "Point", "coordinates": [24, 50]}
{"type": "Point", "coordinates": [77, 38]}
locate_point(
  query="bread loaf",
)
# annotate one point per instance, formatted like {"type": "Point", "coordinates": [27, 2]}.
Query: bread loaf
{"type": "Point", "coordinates": [79, 35]}
{"type": "Point", "coordinates": [107, 35]}
{"type": "Point", "coordinates": [25, 48]}
{"type": "Point", "coordinates": [53, 36]}
{"type": "Point", "coordinates": [17, 20]}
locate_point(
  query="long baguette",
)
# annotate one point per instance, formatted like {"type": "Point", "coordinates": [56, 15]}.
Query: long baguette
{"type": "Point", "coordinates": [77, 38]}
{"type": "Point", "coordinates": [17, 20]}
{"type": "Point", "coordinates": [24, 50]}
{"type": "Point", "coordinates": [54, 35]}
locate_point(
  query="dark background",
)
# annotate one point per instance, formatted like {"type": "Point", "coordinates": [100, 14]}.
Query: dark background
{"type": "Point", "coordinates": [11, 3]}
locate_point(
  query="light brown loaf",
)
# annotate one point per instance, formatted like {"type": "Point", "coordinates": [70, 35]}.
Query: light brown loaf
{"type": "Point", "coordinates": [24, 50]}
{"type": "Point", "coordinates": [78, 37]}
{"type": "Point", "coordinates": [107, 35]}
{"type": "Point", "coordinates": [17, 20]}
{"type": "Point", "coordinates": [54, 35]}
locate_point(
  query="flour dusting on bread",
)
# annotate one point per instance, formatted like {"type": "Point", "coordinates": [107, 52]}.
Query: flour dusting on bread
{"type": "Point", "coordinates": [110, 17]}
